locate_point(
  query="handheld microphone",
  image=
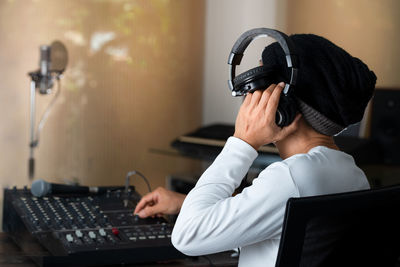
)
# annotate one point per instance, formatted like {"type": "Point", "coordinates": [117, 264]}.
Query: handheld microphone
{"type": "Point", "coordinates": [45, 80]}
{"type": "Point", "coordinates": [42, 188]}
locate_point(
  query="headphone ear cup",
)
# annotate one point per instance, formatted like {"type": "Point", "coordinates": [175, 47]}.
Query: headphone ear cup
{"type": "Point", "coordinates": [258, 78]}
{"type": "Point", "coordinates": [287, 110]}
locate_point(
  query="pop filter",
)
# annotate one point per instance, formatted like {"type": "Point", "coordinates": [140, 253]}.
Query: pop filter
{"type": "Point", "coordinates": [58, 57]}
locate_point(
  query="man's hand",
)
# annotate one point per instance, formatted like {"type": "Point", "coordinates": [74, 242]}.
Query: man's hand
{"type": "Point", "coordinates": [159, 202]}
{"type": "Point", "coordinates": [255, 123]}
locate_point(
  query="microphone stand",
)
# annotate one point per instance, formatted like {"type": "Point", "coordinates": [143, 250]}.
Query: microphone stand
{"type": "Point", "coordinates": [35, 77]}
{"type": "Point", "coordinates": [32, 143]}
{"type": "Point", "coordinates": [34, 139]}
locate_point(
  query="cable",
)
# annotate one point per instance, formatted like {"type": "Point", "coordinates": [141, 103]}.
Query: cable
{"type": "Point", "coordinates": [47, 112]}
{"type": "Point", "coordinates": [127, 183]}
{"type": "Point", "coordinates": [131, 173]}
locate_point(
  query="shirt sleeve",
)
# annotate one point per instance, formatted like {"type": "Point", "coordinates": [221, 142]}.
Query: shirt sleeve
{"type": "Point", "coordinates": [211, 220]}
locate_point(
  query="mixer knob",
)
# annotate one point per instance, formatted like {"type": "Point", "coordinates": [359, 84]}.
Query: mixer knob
{"type": "Point", "coordinates": [115, 231]}
{"type": "Point", "coordinates": [92, 235]}
{"type": "Point", "coordinates": [69, 238]}
{"type": "Point", "coordinates": [78, 233]}
{"type": "Point", "coordinates": [102, 232]}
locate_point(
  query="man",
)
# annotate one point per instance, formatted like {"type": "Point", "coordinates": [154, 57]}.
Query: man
{"type": "Point", "coordinates": [332, 92]}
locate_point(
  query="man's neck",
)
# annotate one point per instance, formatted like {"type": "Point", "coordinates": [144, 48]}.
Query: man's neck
{"type": "Point", "coordinates": [302, 141]}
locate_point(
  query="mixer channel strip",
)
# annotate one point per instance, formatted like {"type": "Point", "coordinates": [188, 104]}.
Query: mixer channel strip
{"type": "Point", "coordinates": [144, 235]}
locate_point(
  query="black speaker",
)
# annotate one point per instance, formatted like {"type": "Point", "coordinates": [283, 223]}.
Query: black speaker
{"type": "Point", "coordinates": [385, 123]}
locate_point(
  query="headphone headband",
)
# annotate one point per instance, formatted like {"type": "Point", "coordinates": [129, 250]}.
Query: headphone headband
{"type": "Point", "coordinates": [236, 54]}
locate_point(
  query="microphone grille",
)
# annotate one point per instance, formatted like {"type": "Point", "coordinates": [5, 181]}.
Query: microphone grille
{"type": "Point", "coordinates": [45, 53]}
{"type": "Point", "coordinates": [40, 188]}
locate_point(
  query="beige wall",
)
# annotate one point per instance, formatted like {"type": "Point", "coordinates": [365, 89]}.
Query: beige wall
{"type": "Point", "coordinates": [368, 30]}
{"type": "Point", "coordinates": [226, 20]}
{"type": "Point", "coordinates": [135, 91]}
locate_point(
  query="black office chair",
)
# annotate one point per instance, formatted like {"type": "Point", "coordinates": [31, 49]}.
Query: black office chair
{"type": "Point", "coordinates": [359, 228]}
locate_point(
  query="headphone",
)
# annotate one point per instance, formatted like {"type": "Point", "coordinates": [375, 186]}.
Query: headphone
{"type": "Point", "coordinates": [259, 78]}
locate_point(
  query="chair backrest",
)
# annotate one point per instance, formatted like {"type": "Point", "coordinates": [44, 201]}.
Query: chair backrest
{"type": "Point", "coordinates": [359, 228]}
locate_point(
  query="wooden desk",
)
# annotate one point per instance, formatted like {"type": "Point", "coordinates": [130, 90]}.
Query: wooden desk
{"type": "Point", "coordinates": [12, 256]}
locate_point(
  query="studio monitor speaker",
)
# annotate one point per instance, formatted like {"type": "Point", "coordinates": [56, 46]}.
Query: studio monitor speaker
{"type": "Point", "coordinates": [385, 123]}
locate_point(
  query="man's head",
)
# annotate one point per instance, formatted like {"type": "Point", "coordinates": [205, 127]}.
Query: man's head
{"type": "Point", "coordinates": [333, 88]}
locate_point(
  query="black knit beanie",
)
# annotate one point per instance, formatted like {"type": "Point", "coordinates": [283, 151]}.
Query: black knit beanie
{"type": "Point", "coordinates": [333, 88]}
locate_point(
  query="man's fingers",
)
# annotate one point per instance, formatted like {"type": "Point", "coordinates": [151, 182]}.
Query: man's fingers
{"type": "Point", "coordinates": [274, 99]}
{"type": "Point", "coordinates": [149, 211]}
{"type": "Point", "coordinates": [247, 100]}
{"type": "Point", "coordinates": [255, 98]}
{"type": "Point", "coordinates": [148, 198]}
{"type": "Point", "coordinates": [146, 212]}
{"type": "Point", "coordinates": [265, 96]}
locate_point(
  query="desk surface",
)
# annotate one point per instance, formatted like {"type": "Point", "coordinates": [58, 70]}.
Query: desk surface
{"type": "Point", "coordinates": [12, 256]}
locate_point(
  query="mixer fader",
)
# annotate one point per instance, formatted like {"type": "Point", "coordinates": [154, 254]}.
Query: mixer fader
{"type": "Point", "coordinates": [86, 229]}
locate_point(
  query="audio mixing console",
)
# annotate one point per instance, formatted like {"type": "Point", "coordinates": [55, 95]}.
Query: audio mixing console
{"type": "Point", "coordinates": [82, 230]}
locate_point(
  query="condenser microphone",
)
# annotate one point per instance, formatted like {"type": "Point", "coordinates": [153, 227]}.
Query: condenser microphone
{"type": "Point", "coordinates": [42, 188]}
{"type": "Point", "coordinates": [45, 78]}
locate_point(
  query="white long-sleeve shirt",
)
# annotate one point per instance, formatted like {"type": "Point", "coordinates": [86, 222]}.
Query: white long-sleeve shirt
{"type": "Point", "coordinates": [212, 220]}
